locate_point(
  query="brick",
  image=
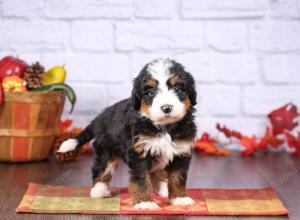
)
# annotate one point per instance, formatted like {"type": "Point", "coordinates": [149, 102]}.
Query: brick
{"type": "Point", "coordinates": [79, 119]}
{"type": "Point", "coordinates": [24, 36]}
{"type": "Point", "coordinates": [117, 92]}
{"type": "Point", "coordinates": [29, 57]}
{"type": "Point", "coordinates": [229, 68]}
{"type": "Point", "coordinates": [20, 8]}
{"type": "Point", "coordinates": [218, 100]}
{"type": "Point", "coordinates": [154, 8]}
{"type": "Point", "coordinates": [159, 35]}
{"type": "Point", "coordinates": [224, 9]}
{"type": "Point", "coordinates": [91, 98]}
{"type": "Point", "coordinates": [275, 36]}
{"type": "Point", "coordinates": [226, 37]}
{"type": "Point", "coordinates": [285, 8]}
{"type": "Point", "coordinates": [71, 9]}
{"type": "Point", "coordinates": [262, 100]}
{"type": "Point", "coordinates": [53, 59]}
{"type": "Point", "coordinates": [92, 36]}
{"type": "Point", "coordinates": [92, 67]}
{"type": "Point", "coordinates": [282, 69]}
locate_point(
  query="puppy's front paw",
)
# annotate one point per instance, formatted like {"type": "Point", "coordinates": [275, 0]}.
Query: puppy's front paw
{"type": "Point", "coordinates": [182, 201]}
{"type": "Point", "coordinates": [146, 205]}
{"type": "Point", "coordinates": [100, 191]}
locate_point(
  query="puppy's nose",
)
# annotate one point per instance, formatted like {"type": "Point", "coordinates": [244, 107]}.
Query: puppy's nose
{"type": "Point", "coordinates": [166, 108]}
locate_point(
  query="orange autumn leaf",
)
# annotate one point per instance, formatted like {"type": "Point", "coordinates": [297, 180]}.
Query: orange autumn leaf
{"type": "Point", "coordinates": [249, 144]}
{"type": "Point", "coordinates": [207, 145]}
{"type": "Point", "coordinates": [223, 152]}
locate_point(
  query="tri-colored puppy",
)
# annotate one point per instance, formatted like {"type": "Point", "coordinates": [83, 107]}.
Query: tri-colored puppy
{"type": "Point", "coordinates": [153, 131]}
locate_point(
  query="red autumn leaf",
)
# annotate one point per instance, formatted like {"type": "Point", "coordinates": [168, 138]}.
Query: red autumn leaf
{"type": "Point", "coordinates": [294, 143]}
{"type": "Point", "coordinates": [65, 125]}
{"type": "Point", "coordinates": [284, 118]}
{"type": "Point", "coordinates": [262, 144]}
{"type": "Point", "coordinates": [250, 145]}
{"type": "Point", "coordinates": [229, 133]}
{"type": "Point", "coordinates": [270, 138]}
{"type": "Point", "coordinates": [207, 145]}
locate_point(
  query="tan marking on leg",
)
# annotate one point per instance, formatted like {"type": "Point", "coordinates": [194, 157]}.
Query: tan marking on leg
{"type": "Point", "coordinates": [105, 176]}
{"type": "Point", "coordinates": [176, 185]}
{"type": "Point", "coordinates": [138, 194]}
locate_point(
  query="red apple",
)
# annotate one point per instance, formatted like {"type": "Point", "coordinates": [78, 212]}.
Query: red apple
{"type": "Point", "coordinates": [11, 66]}
{"type": "Point", "coordinates": [1, 95]}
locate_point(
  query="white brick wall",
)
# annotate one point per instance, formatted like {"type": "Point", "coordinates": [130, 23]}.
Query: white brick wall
{"type": "Point", "coordinates": [244, 54]}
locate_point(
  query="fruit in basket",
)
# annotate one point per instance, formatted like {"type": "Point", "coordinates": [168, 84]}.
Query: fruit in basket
{"type": "Point", "coordinates": [1, 94]}
{"type": "Point", "coordinates": [56, 74]}
{"type": "Point", "coordinates": [63, 87]}
{"type": "Point", "coordinates": [11, 66]}
{"type": "Point", "coordinates": [13, 84]}
{"type": "Point", "coordinates": [34, 76]}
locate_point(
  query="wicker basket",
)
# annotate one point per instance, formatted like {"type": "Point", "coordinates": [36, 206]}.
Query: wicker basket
{"type": "Point", "coordinates": [29, 123]}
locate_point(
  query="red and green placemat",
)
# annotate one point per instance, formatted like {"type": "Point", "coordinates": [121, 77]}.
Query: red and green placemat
{"type": "Point", "coordinates": [75, 199]}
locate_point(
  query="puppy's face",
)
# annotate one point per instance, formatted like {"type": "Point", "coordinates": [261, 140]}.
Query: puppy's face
{"type": "Point", "coordinates": [164, 91]}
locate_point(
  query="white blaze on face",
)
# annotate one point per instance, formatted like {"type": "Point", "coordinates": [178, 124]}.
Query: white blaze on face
{"type": "Point", "coordinates": [160, 71]}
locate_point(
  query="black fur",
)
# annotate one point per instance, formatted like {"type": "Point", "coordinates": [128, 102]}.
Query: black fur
{"type": "Point", "coordinates": [115, 129]}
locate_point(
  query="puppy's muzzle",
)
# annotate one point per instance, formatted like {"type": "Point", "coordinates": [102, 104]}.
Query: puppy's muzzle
{"type": "Point", "coordinates": [166, 108]}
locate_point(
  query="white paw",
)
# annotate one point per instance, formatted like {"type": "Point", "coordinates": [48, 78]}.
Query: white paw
{"type": "Point", "coordinates": [146, 205]}
{"type": "Point", "coordinates": [68, 145]}
{"type": "Point", "coordinates": [182, 201]}
{"type": "Point", "coordinates": [100, 191]}
{"type": "Point", "coordinates": [163, 189]}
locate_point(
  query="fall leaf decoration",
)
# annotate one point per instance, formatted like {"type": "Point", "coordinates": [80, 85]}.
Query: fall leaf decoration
{"type": "Point", "coordinates": [229, 133]}
{"type": "Point", "coordinates": [249, 144]}
{"type": "Point", "coordinates": [284, 118]}
{"type": "Point", "coordinates": [294, 143]}
{"type": "Point", "coordinates": [270, 138]}
{"type": "Point", "coordinates": [207, 145]}
{"type": "Point", "coordinates": [283, 121]}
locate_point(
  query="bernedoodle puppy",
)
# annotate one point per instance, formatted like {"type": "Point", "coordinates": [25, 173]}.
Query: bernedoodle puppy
{"type": "Point", "coordinates": [153, 131]}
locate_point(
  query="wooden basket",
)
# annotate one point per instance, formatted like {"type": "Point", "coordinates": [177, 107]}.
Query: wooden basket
{"type": "Point", "coordinates": [29, 124]}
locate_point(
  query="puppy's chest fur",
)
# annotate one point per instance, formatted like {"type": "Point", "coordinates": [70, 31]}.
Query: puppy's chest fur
{"type": "Point", "coordinates": [162, 148]}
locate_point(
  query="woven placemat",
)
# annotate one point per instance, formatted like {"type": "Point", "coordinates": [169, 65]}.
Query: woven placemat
{"type": "Point", "coordinates": [75, 199]}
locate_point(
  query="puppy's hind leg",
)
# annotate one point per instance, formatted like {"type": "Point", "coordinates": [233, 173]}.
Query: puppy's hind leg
{"type": "Point", "coordinates": [102, 170]}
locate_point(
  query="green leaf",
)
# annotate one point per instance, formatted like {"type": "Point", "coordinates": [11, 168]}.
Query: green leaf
{"type": "Point", "coordinates": [60, 86]}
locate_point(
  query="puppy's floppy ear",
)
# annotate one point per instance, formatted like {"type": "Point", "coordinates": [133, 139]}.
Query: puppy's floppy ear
{"type": "Point", "coordinates": [136, 95]}
{"type": "Point", "coordinates": [192, 93]}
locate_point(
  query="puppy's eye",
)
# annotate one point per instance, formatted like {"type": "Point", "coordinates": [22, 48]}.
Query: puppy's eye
{"type": "Point", "coordinates": [178, 89]}
{"type": "Point", "coordinates": [150, 93]}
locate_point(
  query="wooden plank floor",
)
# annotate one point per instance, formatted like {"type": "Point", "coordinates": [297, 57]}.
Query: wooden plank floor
{"type": "Point", "coordinates": [282, 171]}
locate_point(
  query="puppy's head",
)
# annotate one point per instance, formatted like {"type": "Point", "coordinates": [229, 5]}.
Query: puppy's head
{"type": "Point", "coordinates": [163, 91]}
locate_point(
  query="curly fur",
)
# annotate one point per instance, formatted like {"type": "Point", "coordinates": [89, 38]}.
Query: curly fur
{"type": "Point", "coordinates": [148, 138]}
